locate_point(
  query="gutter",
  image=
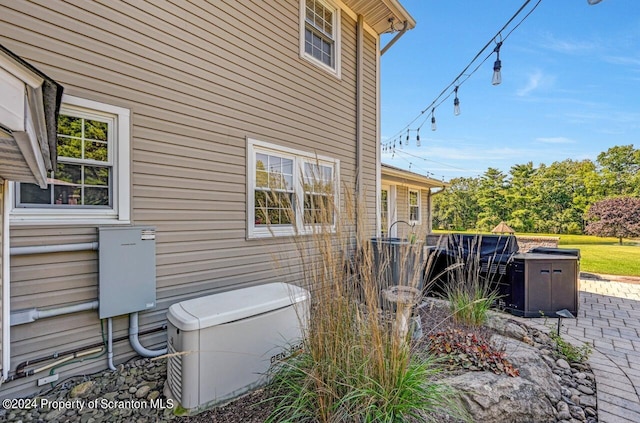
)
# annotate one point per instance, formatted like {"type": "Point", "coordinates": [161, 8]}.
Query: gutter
{"type": "Point", "coordinates": [442, 189]}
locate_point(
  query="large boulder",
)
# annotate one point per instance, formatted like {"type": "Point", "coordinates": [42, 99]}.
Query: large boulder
{"type": "Point", "coordinates": [530, 397]}
{"type": "Point", "coordinates": [531, 364]}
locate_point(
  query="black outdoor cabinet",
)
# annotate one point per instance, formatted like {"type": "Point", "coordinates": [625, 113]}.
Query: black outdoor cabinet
{"type": "Point", "coordinates": [543, 283]}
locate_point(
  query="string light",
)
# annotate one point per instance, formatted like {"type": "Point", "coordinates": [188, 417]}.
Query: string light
{"type": "Point", "coordinates": [433, 120]}
{"type": "Point", "coordinates": [497, 65]}
{"type": "Point", "coordinates": [407, 138]}
{"type": "Point", "coordinates": [418, 138]}
{"type": "Point", "coordinates": [464, 75]}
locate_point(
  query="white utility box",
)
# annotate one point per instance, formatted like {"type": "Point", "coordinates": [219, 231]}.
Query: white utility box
{"type": "Point", "coordinates": [222, 345]}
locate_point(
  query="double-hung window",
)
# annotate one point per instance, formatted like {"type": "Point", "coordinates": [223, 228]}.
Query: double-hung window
{"type": "Point", "coordinates": [320, 33]}
{"type": "Point", "coordinates": [274, 190]}
{"type": "Point", "coordinates": [91, 178]}
{"type": "Point", "coordinates": [414, 206]}
{"type": "Point", "coordinates": [319, 188]}
{"type": "Point", "coordinates": [289, 191]}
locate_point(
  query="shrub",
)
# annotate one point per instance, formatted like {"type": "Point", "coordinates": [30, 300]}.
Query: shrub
{"type": "Point", "coordinates": [572, 353]}
{"type": "Point", "coordinates": [469, 351]}
{"type": "Point", "coordinates": [471, 284]}
{"type": "Point", "coordinates": [357, 364]}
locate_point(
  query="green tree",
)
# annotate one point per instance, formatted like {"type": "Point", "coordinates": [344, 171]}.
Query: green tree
{"type": "Point", "coordinates": [519, 195]}
{"type": "Point", "coordinates": [457, 207]}
{"type": "Point", "coordinates": [492, 200]}
{"type": "Point", "coordinates": [550, 198]}
{"type": "Point", "coordinates": [619, 167]}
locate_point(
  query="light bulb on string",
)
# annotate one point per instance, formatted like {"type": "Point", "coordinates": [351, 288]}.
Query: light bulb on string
{"type": "Point", "coordinates": [433, 120]}
{"type": "Point", "coordinates": [456, 102]}
{"type": "Point", "coordinates": [407, 140]}
{"type": "Point", "coordinates": [418, 138]}
{"type": "Point", "coordinates": [497, 66]}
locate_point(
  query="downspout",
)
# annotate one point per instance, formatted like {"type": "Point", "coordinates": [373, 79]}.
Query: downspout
{"type": "Point", "coordinates": [378, 148]}
{"type": "Point", "coordinates": [6, 280]}
{"type": "Point", "coordinates": [359, 119]}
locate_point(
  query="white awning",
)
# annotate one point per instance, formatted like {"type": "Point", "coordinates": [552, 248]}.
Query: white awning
{"type": "Point", "coordinates": [28, 113]}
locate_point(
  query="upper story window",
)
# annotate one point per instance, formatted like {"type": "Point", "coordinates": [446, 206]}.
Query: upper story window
{"type": "Point", "coordinates": [289, 191]}
{"type": "Point", "coordinates": [414, 206]}
{"type": "Point", "coordinates": [320, 34]}
{"type": "Point", "coordinates": [91, 179]}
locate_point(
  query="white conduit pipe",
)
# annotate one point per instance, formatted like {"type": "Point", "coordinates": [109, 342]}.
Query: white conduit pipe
{"type": "Point", "coordinates": [76, 308]}
{"type": "Point", "coordinates": [135, 342]}
{"type": "Point", "coordinates": [110, 344]}
{"type": "Point", "coordinates": [60, 248]}
{"type": "Point", "coordinates": [31, 315]}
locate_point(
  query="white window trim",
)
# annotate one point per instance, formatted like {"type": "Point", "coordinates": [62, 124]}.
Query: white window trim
{"type": "Point", "coordinates": [299, 158]}
{"type": "Point", "coordinates": [417, 191]}
{"type": "Point", "coordinates": [121, 211]}
{"type": "Point", "coordinates": [337, 26]}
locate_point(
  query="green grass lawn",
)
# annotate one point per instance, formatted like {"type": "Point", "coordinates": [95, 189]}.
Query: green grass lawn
{"type": "Point", "coordinates": [605, 255]}
{"type": "Point", "coordinates": [602, 255]}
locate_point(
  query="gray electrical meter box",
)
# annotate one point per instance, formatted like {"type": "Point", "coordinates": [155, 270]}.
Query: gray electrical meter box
{"type": "Point", "coordinates": [127, 270]}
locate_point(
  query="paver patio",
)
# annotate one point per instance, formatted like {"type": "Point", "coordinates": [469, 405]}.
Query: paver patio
{"type": "Point", "coordinates": [609, 320]}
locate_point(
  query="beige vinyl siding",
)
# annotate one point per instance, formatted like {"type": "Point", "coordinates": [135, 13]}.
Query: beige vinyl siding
{"type": "Point", "coordinates": [370, 135]}
{"type": "Point", "coordinates": [199, 78]}
{"type": "Point", "coordinates": [402, 207]}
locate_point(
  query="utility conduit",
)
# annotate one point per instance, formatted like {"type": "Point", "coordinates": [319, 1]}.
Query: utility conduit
{"type": "Point", "coordinates": [135, 342]}
{"type": "Point", "coordinates": [31, 315]}
{"type": "Point", "coordinates": [59, 248]}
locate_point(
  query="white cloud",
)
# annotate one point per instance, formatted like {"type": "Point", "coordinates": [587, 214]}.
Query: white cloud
{"type": "Point", "coordinates": [535, 80]}
{"type": "Point", "coordinates": [549, 42]}
{"type": "Point", "coordinates": [555, 140]}
{"type": "Point", "coordinates": [623, 60]}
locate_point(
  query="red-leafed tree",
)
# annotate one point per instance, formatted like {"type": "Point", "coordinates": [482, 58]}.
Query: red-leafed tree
{"type": "Point", "coordinates": [618, 217]}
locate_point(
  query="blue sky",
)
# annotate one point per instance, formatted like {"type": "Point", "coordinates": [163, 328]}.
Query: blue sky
{"type": "Point", "coordinates": [570, 84]}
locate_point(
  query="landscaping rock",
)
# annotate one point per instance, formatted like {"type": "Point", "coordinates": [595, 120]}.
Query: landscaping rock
{"type": "Point", "coordinates": [506, 327]}
{"type": "Point", "coordinates": [531, 365]}
{"type": "Point", "coordinates": [489, 397]}
{"type": "Point", "coordinates": [81, 390]}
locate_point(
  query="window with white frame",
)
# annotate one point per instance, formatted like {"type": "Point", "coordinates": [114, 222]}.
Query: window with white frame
{"type": "Point", "coordinates": [319, 186]}
{"type": "Point", "coordinates": [91, 179]}
{"type": "Point", "coordinates": [289, 191]}
{"type": "Point", "coordinates": [320, 31]}
{"type": "Point", "coordinates": [414, 206]}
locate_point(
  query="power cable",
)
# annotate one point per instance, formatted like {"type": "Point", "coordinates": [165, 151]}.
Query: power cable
{"type": "Point", "coordinates": [459, 80]}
